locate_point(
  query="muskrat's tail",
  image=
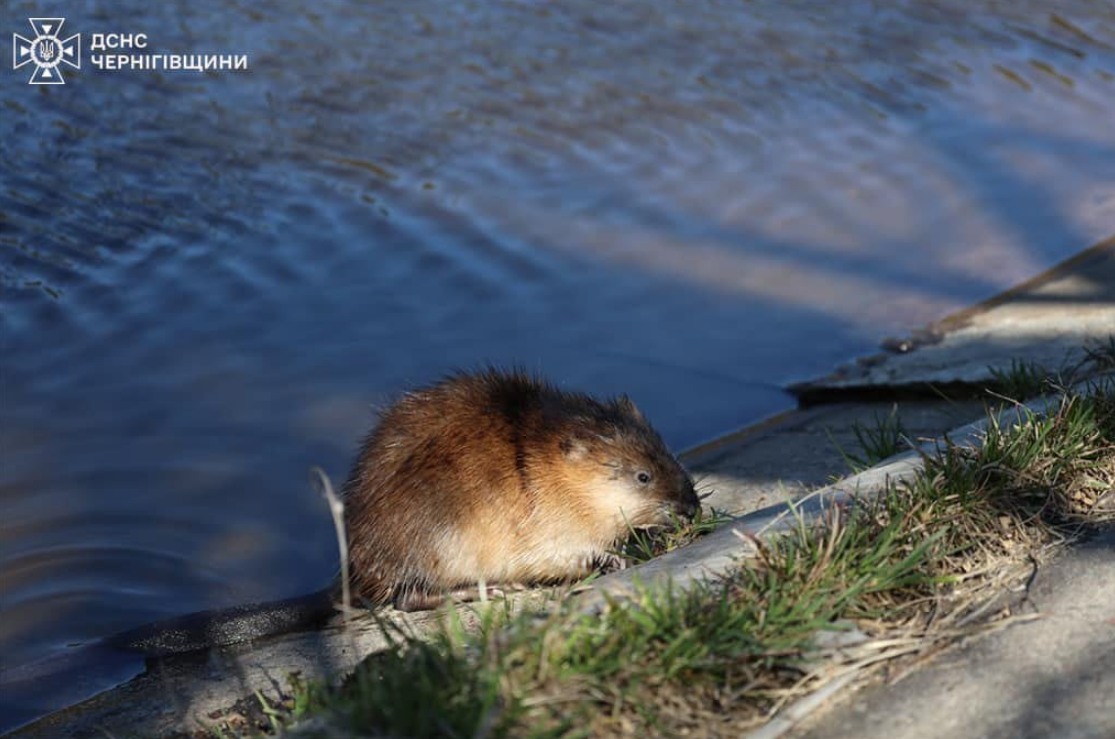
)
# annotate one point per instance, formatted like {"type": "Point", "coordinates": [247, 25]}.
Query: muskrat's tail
{"type": "Point", "coordinates": [225, 626]}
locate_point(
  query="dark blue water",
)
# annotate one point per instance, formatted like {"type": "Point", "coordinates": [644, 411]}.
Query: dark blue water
{"type": "Point", "coordinates": [209, 280]}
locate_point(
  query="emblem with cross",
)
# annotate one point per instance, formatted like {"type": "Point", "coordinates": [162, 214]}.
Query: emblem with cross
{"type": "Point", "coordinates": [46, 51]}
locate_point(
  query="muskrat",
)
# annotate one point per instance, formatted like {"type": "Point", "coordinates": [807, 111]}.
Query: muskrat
{"type": "Point", "coordinates": [490, 477]}
{"type": "Point", "coordinates": [501, 478]}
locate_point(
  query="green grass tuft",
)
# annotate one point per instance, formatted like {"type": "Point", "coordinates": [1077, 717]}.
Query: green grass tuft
{"type": "Point", "coordinates": [882, 439]}
{"type": "Point", "coordinates": [1025, 380]}
{"type": "Point", "coordinates": [1100, 354]}
{"type": "Point", "coordinates": [1022, 380]}
{"type": "Point", "coordinates": [644, 544]}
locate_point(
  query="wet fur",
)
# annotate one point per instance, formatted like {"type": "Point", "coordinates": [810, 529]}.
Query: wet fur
{"type": "Point", "coordinates": [501, 477]}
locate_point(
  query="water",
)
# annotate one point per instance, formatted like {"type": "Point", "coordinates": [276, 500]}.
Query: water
{"type": "Point", "coordinates": [208, 281]}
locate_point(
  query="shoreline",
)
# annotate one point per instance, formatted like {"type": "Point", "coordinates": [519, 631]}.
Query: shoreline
{"type": "Point", "coordinates": [795, 444]}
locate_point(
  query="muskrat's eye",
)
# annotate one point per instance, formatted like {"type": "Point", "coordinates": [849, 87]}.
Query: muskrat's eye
{"type": "Point", "coordinates": [643, 477]}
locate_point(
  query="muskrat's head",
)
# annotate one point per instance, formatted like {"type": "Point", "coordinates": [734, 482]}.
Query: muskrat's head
{"type": "Point", "coordinates": [626, 469]}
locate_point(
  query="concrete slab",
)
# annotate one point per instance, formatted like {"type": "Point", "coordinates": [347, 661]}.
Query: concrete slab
{"type": "Point", "coordinates": [801, 451]}
{"type": "Point", "coordinates": [1053, 678]}
{"type": "Point", "coordinates": [1046, 320]}
{"type": "Point", "coordinates": [184, 693]}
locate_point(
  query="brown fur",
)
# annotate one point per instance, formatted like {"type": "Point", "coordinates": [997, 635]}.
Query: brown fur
{"type": "Point", "coordinates": [498, 476]}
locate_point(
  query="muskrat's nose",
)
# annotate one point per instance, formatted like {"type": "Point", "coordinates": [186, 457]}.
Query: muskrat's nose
{"type": "Point", "coordinates": [690, 504]}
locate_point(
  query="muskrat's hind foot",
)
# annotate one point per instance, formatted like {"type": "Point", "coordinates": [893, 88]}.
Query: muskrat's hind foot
{"type": "Point", "coordinates": [418, 600]}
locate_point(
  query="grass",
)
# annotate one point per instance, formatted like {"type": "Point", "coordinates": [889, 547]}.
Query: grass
{"type": "Point", "coordinates": [919, 564]}
{"type": "Point", "coordinates": [876, 442]}
{"type": "Point", "coordinates": [1100, 354]}
{"type": "Point", "coordinates": [1025, 380]}
{"type": "Point", "coordinates": [644, 544]}
{"type": "Point", "coordinates": [575, 674]}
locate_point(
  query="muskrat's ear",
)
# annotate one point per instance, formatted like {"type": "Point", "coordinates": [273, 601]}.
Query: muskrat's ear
{"type": "Point", "coordinates": [628, 406]}
{"type": "Point", "coordinates": [574, 448]}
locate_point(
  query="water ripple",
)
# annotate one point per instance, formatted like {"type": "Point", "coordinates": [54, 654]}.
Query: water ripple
{"type": "Point", "coordinates": [208, 281]}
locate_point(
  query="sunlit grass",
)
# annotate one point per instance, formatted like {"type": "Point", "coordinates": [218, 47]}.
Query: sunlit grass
{"type": "Point", "coordinates": [922, 556]}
